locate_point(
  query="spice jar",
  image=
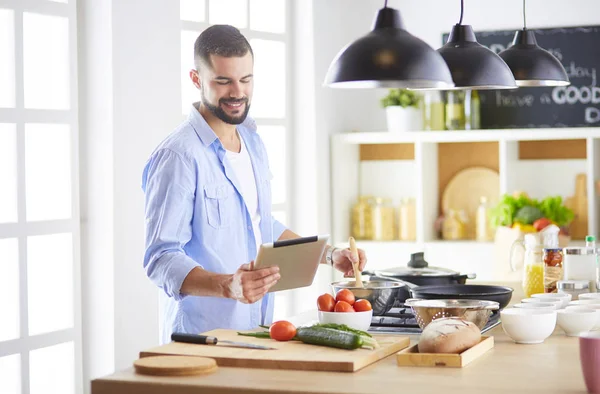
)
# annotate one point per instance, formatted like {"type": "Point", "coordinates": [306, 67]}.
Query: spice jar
{"type": "Point", "coordinates": [362, 222]}
{"type": "Point", "coordinates": [553, 259]}
{"type": "Point", "coordinates": [407, 218]}
{"type": "Point", "coordinates": [383, 219]}
{"type": "Point", "coordinates": [573, 287]}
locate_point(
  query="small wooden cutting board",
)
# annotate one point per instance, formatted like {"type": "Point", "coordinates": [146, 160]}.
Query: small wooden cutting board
{"type": "Point", "coordinates": [288, 355]}
{"type": "Point", "coordinates": [175, 365]}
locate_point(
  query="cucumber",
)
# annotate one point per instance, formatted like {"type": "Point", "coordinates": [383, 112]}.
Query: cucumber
{"type": "Point", "coordinates": [329, 337]}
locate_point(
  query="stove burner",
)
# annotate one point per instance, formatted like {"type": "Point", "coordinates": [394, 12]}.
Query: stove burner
{"type": "Point", "coordinates": [401, 320]}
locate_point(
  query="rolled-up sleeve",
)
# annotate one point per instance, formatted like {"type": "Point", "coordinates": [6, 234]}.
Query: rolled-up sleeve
{"type": "Point", "coordinates": [278, 228]}
{"type": "Point", "coordinates": [169, 185]}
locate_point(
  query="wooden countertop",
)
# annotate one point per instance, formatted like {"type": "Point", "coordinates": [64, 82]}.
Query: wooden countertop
{"type": "Point", "coordinates": [551, 367]}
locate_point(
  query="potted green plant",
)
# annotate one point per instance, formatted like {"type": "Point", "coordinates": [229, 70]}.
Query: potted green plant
{"type": "Point", "coordinates": [403, 112]}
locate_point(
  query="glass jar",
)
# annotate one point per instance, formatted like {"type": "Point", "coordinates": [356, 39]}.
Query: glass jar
{"type": "Point", "coordinates": [482, 230]}
{"type": "Point", "coordinates": [553, 269]}
{"type": "Point", "coordinates": [573, 287]}
{"type": "Point", "coordinates": [433, 111]}
{"type": "Point", "coordinates": [454, 226]}
{"type": "Point", "coordinates": [383, 220]}
{"type": "Point", "coordinates": [407, 220]}
{"type": "Point", "coordinates": [455, 110]}
{"type": "Point", "coordinates": [472, 110]}
{"type": "Point", "coordinates": [362, 221]}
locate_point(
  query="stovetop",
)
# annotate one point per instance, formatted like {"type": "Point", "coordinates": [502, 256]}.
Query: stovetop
{"type": "Point", "coordinates": [401, 320]}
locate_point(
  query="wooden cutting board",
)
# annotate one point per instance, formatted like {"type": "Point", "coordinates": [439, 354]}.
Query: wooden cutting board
{"type": "Point", "coordinates": [288, 355]}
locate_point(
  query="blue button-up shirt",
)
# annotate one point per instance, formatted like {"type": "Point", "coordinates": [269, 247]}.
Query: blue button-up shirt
{"type": "Point", "coordinates": [196, 217]}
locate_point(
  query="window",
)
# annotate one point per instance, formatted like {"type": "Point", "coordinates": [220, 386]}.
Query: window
{"type": "Point", "coordinates": [40, 346]}
{"type": "Point", "coordinates": [265, 23]}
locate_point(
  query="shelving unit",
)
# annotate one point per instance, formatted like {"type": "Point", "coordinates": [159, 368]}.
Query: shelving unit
{"type": "Point", "coordinates": [540, 162]}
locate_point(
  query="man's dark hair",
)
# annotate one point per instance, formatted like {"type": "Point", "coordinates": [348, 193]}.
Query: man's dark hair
{"type": "Point", "coordinates": [221, 40]}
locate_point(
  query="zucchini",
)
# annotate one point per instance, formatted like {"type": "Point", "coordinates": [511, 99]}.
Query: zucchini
{"type": "Point", "coordinates": [329, 337]}
{"type": "Point", "coordinates": [343, 327]}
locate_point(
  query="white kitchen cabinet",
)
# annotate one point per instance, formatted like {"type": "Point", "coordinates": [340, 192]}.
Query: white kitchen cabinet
{"type": "Point", "coordinates": [418, 175]}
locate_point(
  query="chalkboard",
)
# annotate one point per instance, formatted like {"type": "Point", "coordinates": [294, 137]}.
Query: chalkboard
{"type": "Point", "coordinates": [576, 105]}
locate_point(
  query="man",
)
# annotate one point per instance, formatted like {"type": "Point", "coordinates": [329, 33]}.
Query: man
{"type": "Point", "coordinates": [208, 201]}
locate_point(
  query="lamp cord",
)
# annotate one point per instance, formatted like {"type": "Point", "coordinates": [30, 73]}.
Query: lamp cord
{"type": "Point", "coordinates": [462, 10]}
{"type": "Point", "coordinates": [524, 17]}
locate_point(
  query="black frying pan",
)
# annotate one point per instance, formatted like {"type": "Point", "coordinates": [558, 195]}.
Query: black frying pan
{"type": "Point", "coordinates": [500, 294]}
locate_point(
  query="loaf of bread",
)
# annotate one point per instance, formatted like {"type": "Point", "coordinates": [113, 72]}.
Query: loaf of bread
{"type": "Point", "coordinates": [449, 335]}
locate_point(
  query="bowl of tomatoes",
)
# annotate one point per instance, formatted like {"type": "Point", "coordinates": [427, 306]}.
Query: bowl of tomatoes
{"type": "Point", "coordinates": [345, 308]}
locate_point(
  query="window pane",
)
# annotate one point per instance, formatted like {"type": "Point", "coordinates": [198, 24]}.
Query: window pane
{"type": "Point", "coordinates": [8, 173]}
{"type": "Point", "coordinates": [52, 369]}
{"type": "Point", "coordinates": [189, 93]}
{"type": "Point", "coordinates": [275, 141]}
{"type": "Point", "coordinates": [50, 282]}
{"type": "Point", "coordinates": [9, 291]}
{"type": "Point", "coordinates": [10, 374]}
{"type": "Point", "coordinates": [48, 171]}
{"type": "Point", "coordinates": [269, 98]}
{"type": "Point", "coordinates": [267, 15]}
{"type": "Point", "coordinates": [281, 216]}
{"type": "Point", "coordinates": [46, 61]}
{"type": "Point", "coordinates": [192, 10]}
{"type": "Point", "coordinates": [7, 54]}
{"type": "Point", "coordinates": [230, 12]}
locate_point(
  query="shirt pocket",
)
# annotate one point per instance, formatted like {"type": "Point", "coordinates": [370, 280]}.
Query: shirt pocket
{"type": "Point", "coordinates": [219, 200]}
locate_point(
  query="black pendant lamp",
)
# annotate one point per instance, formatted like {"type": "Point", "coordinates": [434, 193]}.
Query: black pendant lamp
{"type": "Point", "coordinates": [473, 66]}
{"type": "Point", "coordinates": [530, 64]}
{"type": "Point", "coordinates": [388, 57]}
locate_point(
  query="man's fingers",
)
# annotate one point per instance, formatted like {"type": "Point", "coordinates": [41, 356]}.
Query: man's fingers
{"type": "Point", "coordinates": [363, 259]}
{"type": "Point", "coordinates": [262, 273]}
{"type": "Point", "coordinates": [265, 281]}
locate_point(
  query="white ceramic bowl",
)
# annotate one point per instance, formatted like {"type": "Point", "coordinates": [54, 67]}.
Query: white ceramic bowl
{"type": "Point", "coordinates": [528, 326]}
{"type": "Point", "coordinates": [589, 301]}
{"type": "Point", "coordinates": [546, 306]}
{"type": "Point", "coordinates": [588, 307]}
{"type": "Point", "coordinates": [558, 303]}
{"type": "Point", "coordinates": [576, 322]}
{"type": "Point", "coordinates": [566, 298]}
{"type": "Point", "coordinates": [589, 296]}
{"type": "Point", "coordinates": [357, 320]}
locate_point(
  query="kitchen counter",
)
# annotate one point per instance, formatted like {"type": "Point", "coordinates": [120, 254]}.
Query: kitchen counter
{"type": "Point", "coordinates": [550, 367]}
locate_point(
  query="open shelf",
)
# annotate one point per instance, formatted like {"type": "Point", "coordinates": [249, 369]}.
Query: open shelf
{"type": "Point", "coordinates": [540, 162]}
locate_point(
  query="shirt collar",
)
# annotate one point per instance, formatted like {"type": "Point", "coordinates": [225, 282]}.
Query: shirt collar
{"type": "Point", "coordinates": [205, 133]}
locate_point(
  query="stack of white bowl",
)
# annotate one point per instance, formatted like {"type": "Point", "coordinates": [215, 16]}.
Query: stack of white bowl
{"type": "Point", "coordinates": [535, 318]}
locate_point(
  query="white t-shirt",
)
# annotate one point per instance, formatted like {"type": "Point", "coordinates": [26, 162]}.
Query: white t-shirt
{"type": "Point", "coordinates": [242, 166]}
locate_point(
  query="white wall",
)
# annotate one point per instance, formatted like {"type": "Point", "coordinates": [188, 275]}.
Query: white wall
{"type": "Point", "coordinates": [130, 90]}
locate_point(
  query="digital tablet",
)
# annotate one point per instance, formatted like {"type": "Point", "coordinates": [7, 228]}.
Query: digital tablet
{"type": "Point", "coordinates": [298, 260]}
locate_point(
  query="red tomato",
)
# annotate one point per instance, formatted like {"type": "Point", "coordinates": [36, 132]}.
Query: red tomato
{"type": "Point", "coordinates": [343, 306]}
{"type": "Point", "coordinates": [326, 302]}
{"type": "Point", "coordinates": [282, 331]}
{"type": "Point", "coordinates": [362, 306]}
{"type": "Point", "coordinates": [345, 295]}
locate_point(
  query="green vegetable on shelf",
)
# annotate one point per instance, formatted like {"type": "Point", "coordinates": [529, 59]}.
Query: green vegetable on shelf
{"type": "Point", "coordinates": [523, 209]}
{"type": "Point", "coordinates": [528, 215]}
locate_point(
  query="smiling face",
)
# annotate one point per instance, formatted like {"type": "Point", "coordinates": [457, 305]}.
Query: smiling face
{"type": "Point", "coordinates": [226, 86]}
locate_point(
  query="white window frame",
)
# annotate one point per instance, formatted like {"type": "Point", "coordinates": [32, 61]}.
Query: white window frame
{"type": "Point", "coordinates": [22, 229]}
{"type": "Point", "coordinates": [287, 121]}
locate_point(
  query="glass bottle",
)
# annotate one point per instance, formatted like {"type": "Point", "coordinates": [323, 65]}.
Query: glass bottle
{"type": "Point", "coordinates": [553, 259]}
{"type": "Point", "coordinates": [533, 264]}
{"type": "Point", "coordinates": [482, 232]}
{"type": "Point", "coordinates": [433, 111]}
{"type": "Point", "coordinates": [455, 110]}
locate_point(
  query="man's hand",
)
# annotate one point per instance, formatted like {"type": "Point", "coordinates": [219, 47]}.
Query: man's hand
{"type": "Point", "coordinates": [343, 258]}
{"type": "Point", "coordinates": [249, 286]}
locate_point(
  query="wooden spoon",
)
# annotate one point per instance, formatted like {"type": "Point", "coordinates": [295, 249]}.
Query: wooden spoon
{"type": "Point", "coordinates": [355, 266]}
